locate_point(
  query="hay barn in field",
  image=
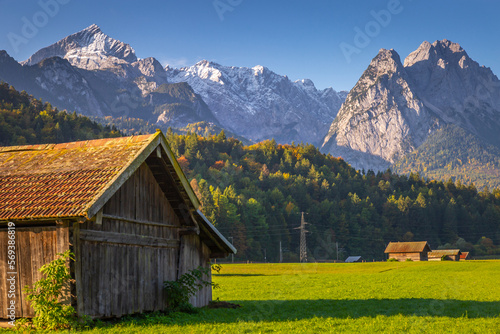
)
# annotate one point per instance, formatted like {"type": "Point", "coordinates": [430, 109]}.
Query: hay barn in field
{"type": "Point", "coordinates": [464, 256]}
{"type": "Point", "coordinates": [416, 251]}
{"type": "Point", "coordinates": [446, 254]}
{"type": "Point", "coordinates": [122, 205]}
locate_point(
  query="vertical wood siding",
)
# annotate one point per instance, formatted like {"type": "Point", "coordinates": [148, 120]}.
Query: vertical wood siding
{"type": "Point", "coordinates": [124, 262]}
{"type": "Point", "coordinates": [35, 246]}
{"type": "Point", "coordinates": [413, 256]}
{"type": "Point", "coordinates": [193, 254]}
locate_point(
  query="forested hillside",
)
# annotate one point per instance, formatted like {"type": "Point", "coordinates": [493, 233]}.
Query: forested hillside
{"type": "Point", "coordinates": [452, 152]}
{"type": "Point", "coordinates": [255, 194]}
{"type": "Point", "coordinates": [26, 120]}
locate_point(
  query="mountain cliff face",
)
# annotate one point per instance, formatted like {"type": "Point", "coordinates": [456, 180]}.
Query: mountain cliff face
{"type": "Point", "coordinates": [394, 107]}
{"type": "Point", "coordinates": [457, 88]}
{"type": "Point", "coordinates": [382, 117]}
{"type": "Point", "coordinates": [260, 104]}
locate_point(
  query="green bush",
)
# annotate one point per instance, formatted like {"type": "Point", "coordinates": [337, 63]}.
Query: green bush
{"type": "Point", "coordinates": [179, 292]}
{"type": "Point", "coordinates": [409, 260]}
{"type": "Point", "coordinates": [50, 313]}
{"type": "Point", "coordinates": [392, 260]}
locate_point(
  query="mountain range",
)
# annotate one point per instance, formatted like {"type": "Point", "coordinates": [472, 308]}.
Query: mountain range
{"type": "Point", "coordinates": [97, 75]}
{"type": "Point", "coordinates": [395, 109]}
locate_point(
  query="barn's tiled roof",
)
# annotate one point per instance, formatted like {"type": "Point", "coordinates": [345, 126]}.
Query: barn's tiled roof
{"type": "Point", "coordinates": [464, 255]}
{"type": "Point", "coordinates": [443, 252]}
{"type": "Point", "coordinates": [408, 247]}
{"type": "Point", "coordinates": [71, 180]}
{"type": "Point", "coordinates": [61, 180]}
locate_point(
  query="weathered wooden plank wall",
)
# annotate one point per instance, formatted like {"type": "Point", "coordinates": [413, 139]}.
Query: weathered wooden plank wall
{"type": "Point", "coordinates": [194, 253]}
{"type": "Point", "coordinates": [35, 246]}
{"type": "Point", "coordinates": [412, 256]}
{"type": "Point", "coordinates": [126, 259]}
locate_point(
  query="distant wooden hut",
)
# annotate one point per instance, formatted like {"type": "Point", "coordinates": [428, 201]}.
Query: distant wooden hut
{"type": "Point", "coordinates": [464, 256]}
{"type": "Point", "coordinates": [352, 259]}
{"type": "Point", "coordinates": [445, 254]}
{"type": "Point", "coordinates": [416, 251]}
{"type": "Point", "coordinates": [122, 205]}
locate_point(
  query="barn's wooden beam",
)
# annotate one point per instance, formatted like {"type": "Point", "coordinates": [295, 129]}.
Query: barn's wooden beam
{"type": "Point", "coordinates": [127, 239]}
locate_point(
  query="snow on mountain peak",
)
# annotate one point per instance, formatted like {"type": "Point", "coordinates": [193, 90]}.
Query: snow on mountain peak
{"type": "Point", "coordinates": [257, 70]}
{"type": "Point", "coordinates": [88, 48]}
{"type": "Point", "coordinates": [306, 83]}
{"type": "Point", "coordinates": [260, 104]}
{"type": "Point", "coordinates": [93, 29]}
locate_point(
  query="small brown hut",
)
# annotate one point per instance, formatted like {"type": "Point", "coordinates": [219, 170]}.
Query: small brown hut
{"type": "Point", "coordinates": [416, 251]}
{"type": "Point", "coordinates": [464, 256]}
{"type": "Point", "coordinates": [122, 205]}
{"type": "Point", "coordinates": [445, 254]}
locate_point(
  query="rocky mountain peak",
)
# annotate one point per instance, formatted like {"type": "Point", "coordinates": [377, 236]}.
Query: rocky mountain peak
{"type": "Point", "coordinates": [382, 118]}
{"type": "Point", "coordinates": [207, 63]}
{"type": "Point", "coordinates": [386, 60]}
{"type": "Point", "coordinates": [259, 70]}
{"type": "Point", "coordinates": [392, 109]}
{"type": "Point", "coordinates": [93, 29]}
{"type": "Point", "coordinates": [440, 52]}
{"type": "Point", "coordinates": [88, 49]}
{"type": "Point", "coordinates": [307, 83]}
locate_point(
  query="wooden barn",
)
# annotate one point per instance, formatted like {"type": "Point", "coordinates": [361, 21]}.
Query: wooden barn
{"type": "Point", "coordinates": [446, 254]}
{"type": "Point", "coordinates": [122, 205]}
{"type": "Point", "coordinates": [416, 251]}
{"type": "Point", "coordinates": [464, 256]}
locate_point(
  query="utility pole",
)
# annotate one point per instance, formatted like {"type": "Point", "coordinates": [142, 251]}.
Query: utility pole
{"type": "Point", "coordinates": [337, 246]}
{"type": "Point", "coordinates": [303, 246]}
{"type": "Point", "coordinates": [232, 255]}
{"type": "Point", "coordinates": [281, 254]}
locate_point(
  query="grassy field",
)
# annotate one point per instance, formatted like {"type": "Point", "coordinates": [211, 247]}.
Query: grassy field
{"type": "Point", "coordinates": [414, 297]}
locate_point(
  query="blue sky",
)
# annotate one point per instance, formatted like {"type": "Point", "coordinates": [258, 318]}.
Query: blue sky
{"type": "Point", "coordinates": [300, 39]}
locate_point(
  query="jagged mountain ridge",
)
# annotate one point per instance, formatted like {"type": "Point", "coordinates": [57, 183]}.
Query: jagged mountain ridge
{"type": "Point", "coordinates": [260, 104]}
{"type": "Point", "coordinates": [256, 103]}
{"type": "Point", "coordinates": [393, 107]}
{"type": "Point", "coordinates": [98, 76]}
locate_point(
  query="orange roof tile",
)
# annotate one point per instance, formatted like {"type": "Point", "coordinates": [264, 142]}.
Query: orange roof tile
{"type": "Point", "coordinates": [61, 180]}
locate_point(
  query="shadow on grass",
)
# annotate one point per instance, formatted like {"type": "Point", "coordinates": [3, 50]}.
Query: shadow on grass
{"type": "Point", "coordinates": [291, 310]}
{"type": "Point", "coordinates": [239, 275]}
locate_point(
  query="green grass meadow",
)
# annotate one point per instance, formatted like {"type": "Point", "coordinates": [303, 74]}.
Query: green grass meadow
{"type": "Point", "coordinates": [393, 297]}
